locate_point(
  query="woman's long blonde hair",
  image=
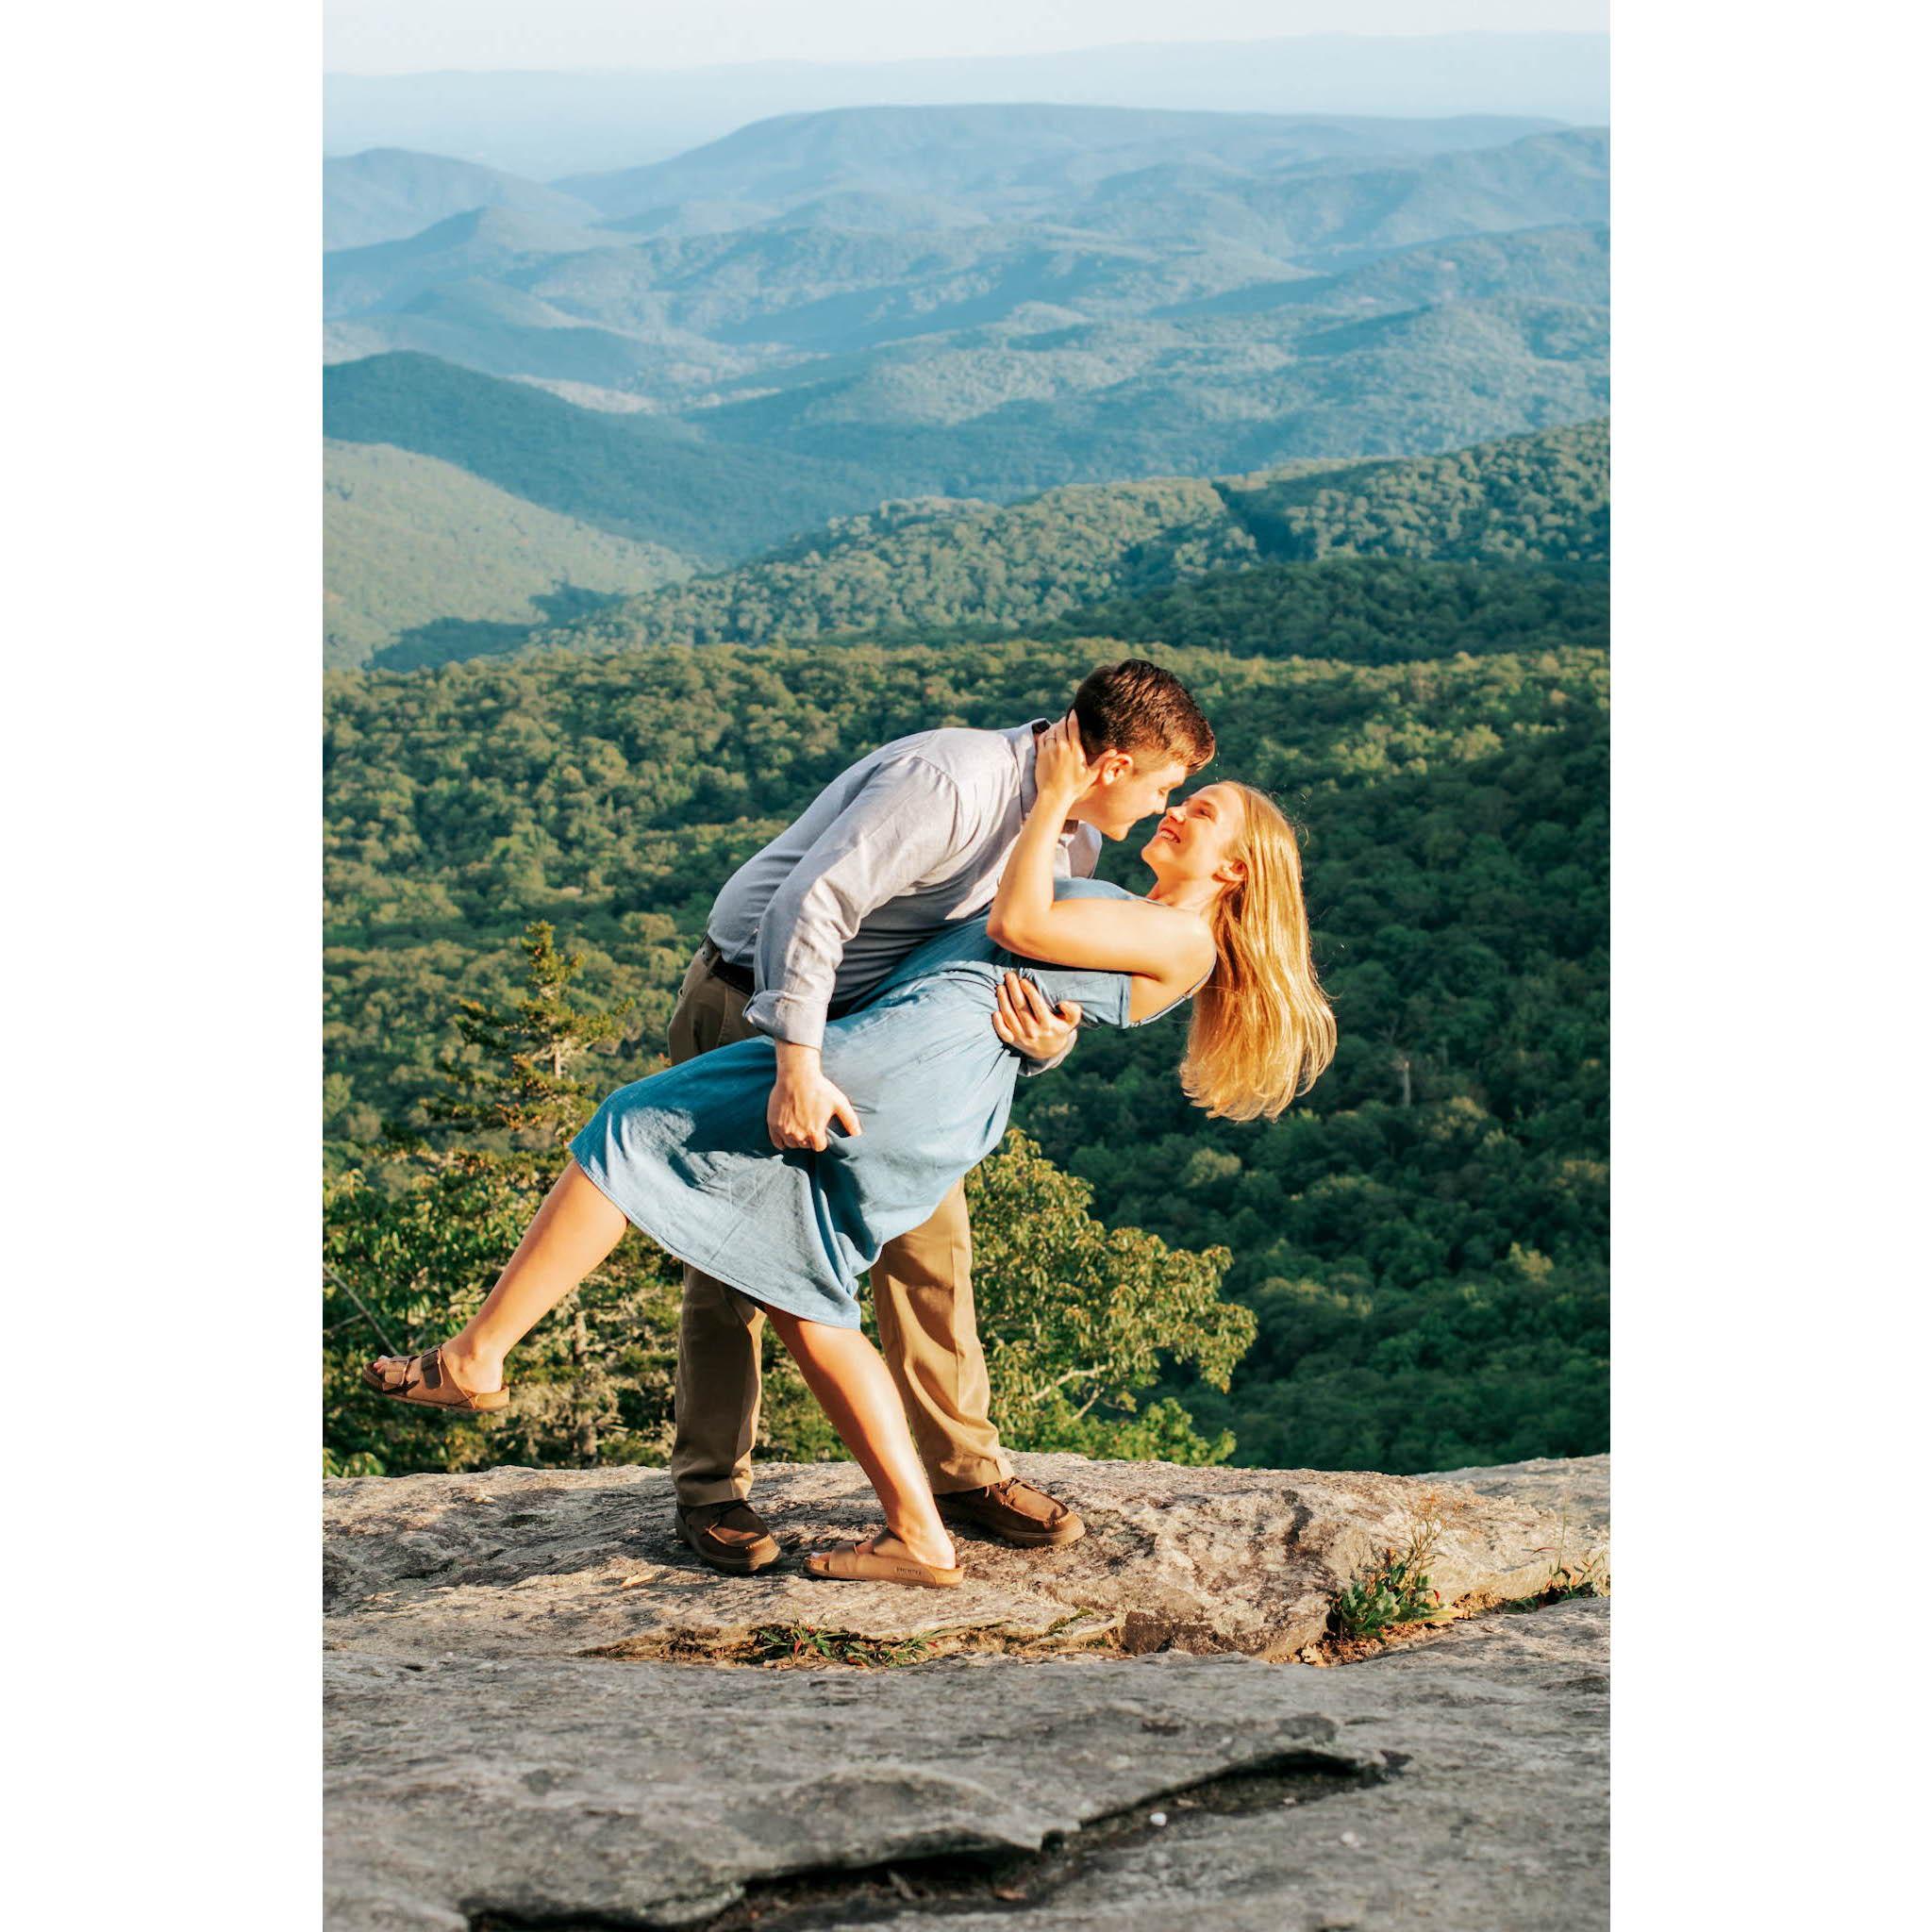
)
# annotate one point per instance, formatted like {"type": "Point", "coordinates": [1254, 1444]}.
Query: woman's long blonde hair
{"type": "Point", "coordinates": [1261, 1031]}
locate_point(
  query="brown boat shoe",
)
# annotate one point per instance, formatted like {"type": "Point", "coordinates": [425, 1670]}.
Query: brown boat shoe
{"type": "Point", "coordinates": [728, 1536]}
{"type": "Point", "coordinates": [1016, 1511]}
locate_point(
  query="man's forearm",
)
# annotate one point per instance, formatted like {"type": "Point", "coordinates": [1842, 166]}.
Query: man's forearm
{"type": "Point", "coordinates": [795, 1062]}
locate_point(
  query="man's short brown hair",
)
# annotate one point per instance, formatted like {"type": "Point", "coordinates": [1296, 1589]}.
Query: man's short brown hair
{"type": "Point", "coordinates": [1138, 708]}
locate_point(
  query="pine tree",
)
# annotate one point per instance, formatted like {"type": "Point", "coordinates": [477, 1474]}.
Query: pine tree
{"type": "Point", "coordinates": [415, 1234]}
{"type": "Point", "coordinates": [524, 1082]}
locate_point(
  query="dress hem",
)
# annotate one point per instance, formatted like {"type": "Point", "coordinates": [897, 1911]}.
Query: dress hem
{"type": "Point", "coordinates": [763, 1297]}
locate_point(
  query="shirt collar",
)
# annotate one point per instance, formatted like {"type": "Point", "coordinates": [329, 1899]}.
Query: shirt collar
{"type": "Point", "coordinates": [1024, 740]}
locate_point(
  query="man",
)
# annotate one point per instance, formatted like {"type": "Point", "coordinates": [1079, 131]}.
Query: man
{"type": "Point", "coordinates": [901, 844]}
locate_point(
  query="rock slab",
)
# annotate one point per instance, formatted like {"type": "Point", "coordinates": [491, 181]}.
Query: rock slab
{"type": "Point", "coordinates": [1468, 1790]}
{"type": "Point", "coordinates": [1099, 1747]}
{"type": "Point", "coordinates": [518, 1562]}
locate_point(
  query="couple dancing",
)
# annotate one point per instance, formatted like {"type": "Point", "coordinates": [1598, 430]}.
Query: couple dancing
{"type": "Point", "coordinates": [847, 1040]}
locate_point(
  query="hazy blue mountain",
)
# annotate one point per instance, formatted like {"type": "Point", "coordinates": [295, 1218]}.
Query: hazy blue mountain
{"type": "Point", "coordinates": [1330, 207]}
{"type": "Point", "coordinates": [551, 125]}
{"type": "Point", "coordinates": [1027, 158]}
{"type": "Point", "coordinates": [1568, 265]}
{"type": "Point", "coordinates": [423, 562]}
{"type": "Point", "coordinates": [992, 412]}
{"type": "Point", "coordinates": [481, 244]}
{"type": "Point", "coordinates": [828, 289]}
{"type": "Point", "coordinates": [388, 192]}
{"type": "Point", "coordinates": [834, 310]}
{"type": "Point", "coordinates": [500, 331]}
{"type": "Point", "coordinates": [1062, 309]}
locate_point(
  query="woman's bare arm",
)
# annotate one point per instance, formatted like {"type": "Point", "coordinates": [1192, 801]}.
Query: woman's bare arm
{"type": "Point", "coordinates": [1166, 951]}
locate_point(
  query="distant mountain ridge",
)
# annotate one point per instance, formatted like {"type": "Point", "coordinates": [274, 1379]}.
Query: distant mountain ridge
{"type": "Point", "coordinates": [1028, 153]}
{"type": "Point", "coordinates": [825, 312]}
{"type": "Point", "coordinates": [384, 194]}
{"type": "Point", "coordinates": [989, 301]}
{"type": "Point", "coordinates": [550, 124]}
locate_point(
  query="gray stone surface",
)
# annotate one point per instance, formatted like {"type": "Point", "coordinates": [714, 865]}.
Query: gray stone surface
{"type": "Point", "coordinates": [508, 1744]}
{"type": "Point", "coordinates": [653, 1794]}
{"type": "Point", "coordinates": [570, 1564]}
{"type": "Point", "coordinates": [1496, 1818]}
{"type": "Point", "coordinates": [1575, 1490]}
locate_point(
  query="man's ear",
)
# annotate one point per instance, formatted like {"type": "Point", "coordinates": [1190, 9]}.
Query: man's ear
{"type": "Point", "coordinates": [1112, 765]}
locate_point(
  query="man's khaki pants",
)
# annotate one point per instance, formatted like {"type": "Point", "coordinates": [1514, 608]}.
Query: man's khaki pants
{"type": "Point", "coordinates": [922, 1290]}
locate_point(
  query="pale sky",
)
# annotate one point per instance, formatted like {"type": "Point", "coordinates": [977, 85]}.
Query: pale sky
{"type": "Point", "coordinates": [411, 36]}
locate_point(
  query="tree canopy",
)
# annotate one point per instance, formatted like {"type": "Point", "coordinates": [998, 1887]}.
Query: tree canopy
{"type": "Point", "coordinates": [1421, 1240]}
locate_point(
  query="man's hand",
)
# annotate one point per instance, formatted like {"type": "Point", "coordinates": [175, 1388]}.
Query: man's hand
{"type": "Point", "coordinates": [1060, 769]}
{"type": "Point", "coordinates": [803, 1101]}
{"type": "Point", "coordinates": [1022, 1019]}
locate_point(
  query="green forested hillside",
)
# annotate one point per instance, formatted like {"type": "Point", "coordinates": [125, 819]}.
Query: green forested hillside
{"type": "Point", "coordinates": [1423, 1240]}
{"type": "Point", "coordinates": [423, 562]}
{"type": "Point", "coordinates": [928, 568]}
{"type": "Point", "coordinates": [1362, 610]}
{"type": "Point", "coordinates": [1545, 496]}
{"type": "Point", "coordinates": [635, 477]}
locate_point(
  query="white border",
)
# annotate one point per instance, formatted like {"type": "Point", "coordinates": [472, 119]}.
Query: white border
{"type": "Point", "coordinates": [1768, 1142]}
{"type": "Point", "coordinates": [162, 789]}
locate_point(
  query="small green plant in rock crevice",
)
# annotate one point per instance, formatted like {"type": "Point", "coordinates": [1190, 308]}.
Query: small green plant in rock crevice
{"type": "Point", "coordinates": [800, 1644]}
{"type": "Point", "coordinates": [1395, 1590]}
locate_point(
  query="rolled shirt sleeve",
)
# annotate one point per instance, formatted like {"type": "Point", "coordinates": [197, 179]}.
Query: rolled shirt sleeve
{"type": "Point", "coordinates": [906, 825]}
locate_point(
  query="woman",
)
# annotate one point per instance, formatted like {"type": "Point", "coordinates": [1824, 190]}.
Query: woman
{"type": "Point", "coordinates": [686, 1156]}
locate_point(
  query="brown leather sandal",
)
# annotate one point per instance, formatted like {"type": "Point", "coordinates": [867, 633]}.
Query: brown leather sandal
{"type": "Point", "coordinates": [867, 1563]}
{"type": "Point", "coordinates": [424, 1380]}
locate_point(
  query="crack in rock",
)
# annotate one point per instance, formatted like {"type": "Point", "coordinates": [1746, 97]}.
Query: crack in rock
{"type": "Point", "coordinates": [956, 1880]}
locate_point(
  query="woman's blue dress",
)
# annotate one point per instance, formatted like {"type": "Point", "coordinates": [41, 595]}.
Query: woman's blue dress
{"type": "Point", "coordinates": [687, 1156]}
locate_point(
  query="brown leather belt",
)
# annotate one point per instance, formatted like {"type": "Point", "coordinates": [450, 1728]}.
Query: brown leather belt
{"type": "Point", "coordinates": [737, 977]}
{"type": "Point", "coordinates": [740, 980]}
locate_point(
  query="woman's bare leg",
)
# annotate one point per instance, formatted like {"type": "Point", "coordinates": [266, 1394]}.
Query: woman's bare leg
{"type": "Point", "coordinates": [575, 1227]}
{"type": "Point", "coordinates": [850, 1379]}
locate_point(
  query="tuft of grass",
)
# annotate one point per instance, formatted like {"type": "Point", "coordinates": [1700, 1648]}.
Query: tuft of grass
{"type": "Point", "coordinates": [1586, 1578]}
{"type": "Point", "coordinates": [801, 1643]}
{"type": "Point", "coordinates": [1395, 1590]}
